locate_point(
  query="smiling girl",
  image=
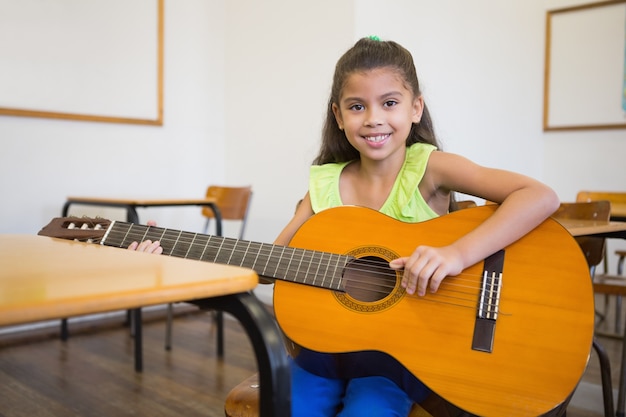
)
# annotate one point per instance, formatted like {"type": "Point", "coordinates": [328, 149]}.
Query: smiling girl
{"type": "Point", "coordinates": [379, 150]}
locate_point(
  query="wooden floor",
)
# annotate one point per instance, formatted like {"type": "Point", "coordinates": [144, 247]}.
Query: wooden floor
{"type": "Point", "coordinates": [92, 373]}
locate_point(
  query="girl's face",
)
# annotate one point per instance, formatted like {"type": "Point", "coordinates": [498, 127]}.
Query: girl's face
{"type": "Point", "coordinates": [376, 111]}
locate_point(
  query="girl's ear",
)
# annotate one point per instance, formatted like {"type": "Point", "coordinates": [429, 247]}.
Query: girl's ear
{"type": "Point", "coordinates": [337, 114]}
{"type": "Point", "coordinates": [418, 109]}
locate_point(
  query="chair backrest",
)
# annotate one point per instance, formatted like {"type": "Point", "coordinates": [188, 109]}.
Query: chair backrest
{"type": "Point", "coordinates": [612, 196]}
{"type": "Point", "coordinates": [233, 203]}
{"type": "Point", "coordinates": [592, 247]}
{"type": "Point", "coordinates": [617, 199]}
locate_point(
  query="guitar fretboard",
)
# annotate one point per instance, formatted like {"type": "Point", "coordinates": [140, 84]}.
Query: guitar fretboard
{"type": "Point", "coordinates": [316, 268]}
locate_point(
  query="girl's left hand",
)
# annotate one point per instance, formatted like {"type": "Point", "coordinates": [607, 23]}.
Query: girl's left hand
{"type": "Point", "coordinates": [147, 245]}
{"type": "Point", "coordinates": [427, 267]}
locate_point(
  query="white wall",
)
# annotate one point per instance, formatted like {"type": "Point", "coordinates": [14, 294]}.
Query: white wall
{"type": "Point", "coordinates": [585, 160]}
{"type": "Point", "coordinates": [476, 60]}
{"type": "Point", "coordinates": [246, 87]}
{"type": "Point", "coordinates": [280, 57]}
{"type": "Point", "coordinates": [42, 160]}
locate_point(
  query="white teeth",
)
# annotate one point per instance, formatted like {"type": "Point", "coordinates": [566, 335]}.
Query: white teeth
{"type": "Point", "coordinates": [375, 138]}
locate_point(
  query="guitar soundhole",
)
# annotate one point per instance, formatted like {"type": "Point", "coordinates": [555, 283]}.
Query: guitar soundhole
{"type": "Point", "coordinates": [369, 279]}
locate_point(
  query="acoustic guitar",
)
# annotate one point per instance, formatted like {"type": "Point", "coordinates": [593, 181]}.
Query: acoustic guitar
{"type": "Point", "coordinates": [509, 336]}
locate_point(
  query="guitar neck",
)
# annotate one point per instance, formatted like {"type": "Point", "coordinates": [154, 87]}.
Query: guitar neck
{"type": "Point", "coordinates": [309, 267]}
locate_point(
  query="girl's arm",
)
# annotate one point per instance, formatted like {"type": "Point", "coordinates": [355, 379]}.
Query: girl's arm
{"type": "Point", "coordinates": [303, 212]}
{"type": "Point", "coordinates": [524, 204]}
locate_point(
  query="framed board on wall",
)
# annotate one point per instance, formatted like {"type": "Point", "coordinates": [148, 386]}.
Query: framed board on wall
{"type": "Point", "coordinates": [89, 60]}
{"type": "Point", "coordinates": [585, 73]}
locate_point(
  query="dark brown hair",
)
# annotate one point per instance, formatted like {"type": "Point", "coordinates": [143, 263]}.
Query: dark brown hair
{"type": "Point", "coordinates": [368, 54]}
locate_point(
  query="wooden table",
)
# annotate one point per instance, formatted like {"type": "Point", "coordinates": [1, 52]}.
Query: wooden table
{"type": "Point", "coordinates": [45, 278]}
{"type": "Point", "coordinates": [611, 230]}
{"type": "Point", "coordinates": [618, 212]}
{"type": "Point", "coordinates": [131, 205]}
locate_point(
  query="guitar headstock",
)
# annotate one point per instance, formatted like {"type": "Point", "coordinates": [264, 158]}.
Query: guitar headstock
{"type": "Point", "coordinates": [76, 228]}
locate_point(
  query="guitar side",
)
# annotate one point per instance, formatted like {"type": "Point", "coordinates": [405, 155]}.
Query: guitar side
{"type": "Point", "coordinates": [543, 333]}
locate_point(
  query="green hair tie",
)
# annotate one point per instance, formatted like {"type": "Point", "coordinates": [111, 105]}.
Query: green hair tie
{"type": "Point", "coordinates": [374, 38]}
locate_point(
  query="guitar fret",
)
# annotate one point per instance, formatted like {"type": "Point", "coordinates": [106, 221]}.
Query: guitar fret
{"type": "Point", "coordinates": [180, 246]}
{"type": "Point", "coordinates": [267, 262]}
{"type": "Point", "coordinates": [277, 259]}
{"type": "Point", "coordinates": [335, 275]}
{"type": "Point", "coordinates": [256, 256]}
{"type": "Point", "coordinates": [308, 268]}
{"type": "Point", "coordinates": [316, 269]}
{"type": "Point", "coordinates": [232, 252]}
{"type": "Point", "coordinates": [248, 263]}
{"type": "Point", "coordinates": [209, 253]}
{"type": "Point", "coordinates": [339, 284]}
{"type": "Point", "coordinates": [237, 256]}
{"type": "Point", "coordinates": [284, 258]}
{"type": "Point", "coordinates": [193, 239]}
{"type": "Point", "coordinates": [197, 248]}
{"type": "Point", "coordinates": [122, 241]}
{"type": "Point", "coordinates": [223, 252]}
{"type": "Point", "coordinates": [298, 271]}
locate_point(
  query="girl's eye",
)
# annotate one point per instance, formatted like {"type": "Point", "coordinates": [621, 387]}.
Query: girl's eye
{"type": "Point", "coordinates": [356, 107]}
{"type": "Point", "coordinates": [390, 103]}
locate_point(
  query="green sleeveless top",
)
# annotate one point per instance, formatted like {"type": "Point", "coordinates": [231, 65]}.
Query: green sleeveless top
{"type": "Point", "coordinates": [405, 202]}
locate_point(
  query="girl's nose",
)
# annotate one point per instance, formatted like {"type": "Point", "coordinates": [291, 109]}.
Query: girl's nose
{"type": "Point", "coordinates": [372, 119]}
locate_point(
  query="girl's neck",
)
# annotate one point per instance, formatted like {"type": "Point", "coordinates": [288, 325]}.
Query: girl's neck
{"type": "Point", "coordinates": [368, 183]}
{"type": "Point", "coordinates": [381, 170]}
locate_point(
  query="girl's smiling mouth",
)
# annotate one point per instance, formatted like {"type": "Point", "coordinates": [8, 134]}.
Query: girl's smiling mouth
{"type": "Point", "coordinates": [377, 138]}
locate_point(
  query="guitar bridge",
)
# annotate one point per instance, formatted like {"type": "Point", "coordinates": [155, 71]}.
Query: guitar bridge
{"type": "Point", "coordinates": [488, 303]}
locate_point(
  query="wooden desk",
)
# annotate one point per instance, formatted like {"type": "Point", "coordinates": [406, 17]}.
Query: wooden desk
{"type": "Point", "coordinates": [44, 278]}
{"type": "Point", "coordinates": [131, 205]}
{"type": "Point", "coordinates": [612, 229]}
{"type": "Point", "coordinates": [618, 212]}
{"type": "Point", "coordinates": [616, 198]}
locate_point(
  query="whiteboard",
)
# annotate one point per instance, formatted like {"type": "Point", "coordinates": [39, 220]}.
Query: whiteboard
{"type": "Point", "coordinates": [92, 60]}
{"type": "Point", "coordinates": [585, 74]}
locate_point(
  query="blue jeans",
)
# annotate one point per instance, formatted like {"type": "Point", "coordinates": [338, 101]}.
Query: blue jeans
{"type": "Point", "coordinates": [375, 396]}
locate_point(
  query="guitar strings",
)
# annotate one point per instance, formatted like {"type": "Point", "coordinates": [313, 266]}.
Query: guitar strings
{"type": "Point", "coordinates": [460, 288]}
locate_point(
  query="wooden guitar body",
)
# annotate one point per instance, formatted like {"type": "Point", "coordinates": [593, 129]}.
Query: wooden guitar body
{"type": "Point", "coordinates": [543, 332]}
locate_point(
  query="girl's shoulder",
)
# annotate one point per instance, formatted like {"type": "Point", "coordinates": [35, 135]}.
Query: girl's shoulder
{"type": "Point", "coordinates": [419, 150]}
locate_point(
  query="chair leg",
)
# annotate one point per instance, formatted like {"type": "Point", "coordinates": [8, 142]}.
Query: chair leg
{"type": "Point", "coordinates": [137, 333]}
{"type": "Point", "coordinates": [168, 326]}
{"type": "Point", "coordinates": [618, 314]}
{"type": "Point", "coordinates": [219, 322]}
{"type": "Point", "coordinates": [618, 299]}
{"type": "Point", "coordinates": [605, 373]}
{"type": "Point", "coordinates": [65, 333]}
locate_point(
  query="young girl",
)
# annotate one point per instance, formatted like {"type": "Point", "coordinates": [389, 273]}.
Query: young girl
{"type": "Point", "coordinates": [379, 151]}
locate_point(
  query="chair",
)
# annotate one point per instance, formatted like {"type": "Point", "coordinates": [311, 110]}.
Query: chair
{"type": "Point", "coordinates": [233, 204]}
{"type": "Point", "coordinates": [618, 211]}
{"type": "Point", "coordinates": [463, 204]}
{"type": "Point", "coordinates": [593, 249]}
{"type": "Point", "coordinates": [243, 401]}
